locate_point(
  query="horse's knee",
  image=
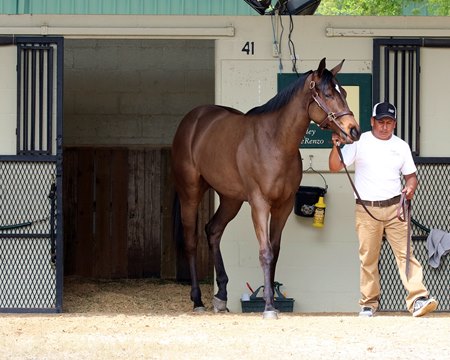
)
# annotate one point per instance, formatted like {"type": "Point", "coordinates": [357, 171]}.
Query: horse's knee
{"type": "Point", "coordinates": [190, 248]}
{"type": "Point", "coordinates": [213, 233]}
{"type": "Point", "coordinates": [266, 257]}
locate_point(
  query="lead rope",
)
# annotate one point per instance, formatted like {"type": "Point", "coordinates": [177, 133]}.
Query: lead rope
{"type": "Point", "coordinates": [403, 212]}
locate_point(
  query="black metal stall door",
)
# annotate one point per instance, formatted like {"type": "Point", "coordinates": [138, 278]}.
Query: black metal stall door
{"type": "Point", "coordinates": [31, 260]}
{"type": "Point", "coordinates": [396, 78]}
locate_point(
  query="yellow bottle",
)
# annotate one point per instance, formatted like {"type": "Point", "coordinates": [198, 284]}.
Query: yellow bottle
{"type": "Point", "coordinates": [319, 213]}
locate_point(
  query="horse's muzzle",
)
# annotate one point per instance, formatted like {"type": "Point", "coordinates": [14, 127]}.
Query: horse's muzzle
{"type": "Point", "coordinates": [350, 136]}
{"type": "Point", "coordinates": [355, 133]}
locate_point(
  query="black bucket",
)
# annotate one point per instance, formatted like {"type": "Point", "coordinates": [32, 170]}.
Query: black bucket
{"type": "Point", "coordinates": [306, 199]}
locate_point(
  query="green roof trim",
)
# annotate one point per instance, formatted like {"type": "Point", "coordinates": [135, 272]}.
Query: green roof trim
{"type": "Point", "coordinates": [127, 7]}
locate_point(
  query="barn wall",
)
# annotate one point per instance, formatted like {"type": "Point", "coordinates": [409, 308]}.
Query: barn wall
{"type": "Point", "coordinates": [133, 91]}
{"type": "Point", "coordinates": [318, 267]}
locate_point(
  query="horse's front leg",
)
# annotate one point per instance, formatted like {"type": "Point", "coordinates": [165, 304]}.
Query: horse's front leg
{"type": "Point", "coordinates": [278, 220]}
{"type": "Point", "coordinates": [260, 217]}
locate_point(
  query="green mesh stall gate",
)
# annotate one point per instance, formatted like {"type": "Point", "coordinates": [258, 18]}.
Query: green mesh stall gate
{"type": "Point", "coordinates": [31, 256]}
{"type": "Point", "coordinates": [430, 210]}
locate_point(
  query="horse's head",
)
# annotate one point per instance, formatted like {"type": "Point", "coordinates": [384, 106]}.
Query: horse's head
{"type": "Point", "coordinates": [330, 98]}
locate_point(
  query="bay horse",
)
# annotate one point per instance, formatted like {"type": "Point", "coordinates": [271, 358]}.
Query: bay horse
{"type": "Point", "coordinates": [252, 157]}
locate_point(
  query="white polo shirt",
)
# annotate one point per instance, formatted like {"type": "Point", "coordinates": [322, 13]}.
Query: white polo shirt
{"type": "Point", "coordinates": [378, 165]}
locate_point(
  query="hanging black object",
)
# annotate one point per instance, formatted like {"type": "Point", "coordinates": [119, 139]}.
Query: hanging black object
{"type": "Point", "coordinates": [284, 7]}
{"type": "Point", "coordinates": [307, 197]}
{"type": "Point", "coordinates": [259, 6]}
{"type": "Point", "coordinates": [301, 7]}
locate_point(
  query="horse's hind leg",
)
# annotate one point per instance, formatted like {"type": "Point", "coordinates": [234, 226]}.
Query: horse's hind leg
{"type": "Point", "coordinates": [189, 205]}
{"type": "Point", "coordinates": [214, 229]}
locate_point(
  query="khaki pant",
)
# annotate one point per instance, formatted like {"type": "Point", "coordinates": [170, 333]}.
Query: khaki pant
{"type": "Point", "coordinates": [370, 234]}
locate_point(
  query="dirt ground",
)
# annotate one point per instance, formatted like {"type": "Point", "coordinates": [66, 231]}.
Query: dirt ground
{"type": "Point", "coordinates": [153, 320]}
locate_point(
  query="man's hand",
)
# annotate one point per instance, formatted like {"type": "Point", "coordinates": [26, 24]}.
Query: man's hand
{"type": "Point", "coordinates": [410, 186]}
{"type": "Point", "coordinates": [336, 140]}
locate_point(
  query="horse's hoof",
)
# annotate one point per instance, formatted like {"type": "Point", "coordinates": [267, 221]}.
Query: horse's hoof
{"type": "Point", "coordinates": [219, 305]}
{"type": "Point", "coordinates": [270, 314]}
{"type": "Point", "coordinates": [199, 309]}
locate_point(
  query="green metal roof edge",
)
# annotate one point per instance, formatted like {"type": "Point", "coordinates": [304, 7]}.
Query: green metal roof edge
{"type": "Point", "coordinates": [126, 7]}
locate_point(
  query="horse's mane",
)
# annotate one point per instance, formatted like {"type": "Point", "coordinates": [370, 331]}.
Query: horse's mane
{"type": "Point", "coordinates": [282, 98]}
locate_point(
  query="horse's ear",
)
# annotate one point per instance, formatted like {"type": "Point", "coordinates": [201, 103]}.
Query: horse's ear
{"type": "Point", "coordinates": [337, 68]}
{"type": "Point", "coordinates": [322, 67]}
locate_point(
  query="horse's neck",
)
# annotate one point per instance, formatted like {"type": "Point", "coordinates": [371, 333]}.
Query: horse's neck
{"type": "Point", "coordinates": [292, 123]}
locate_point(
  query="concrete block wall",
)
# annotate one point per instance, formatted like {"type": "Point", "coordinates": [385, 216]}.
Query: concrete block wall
{"type": "Point", "coordinates": [130, 92]}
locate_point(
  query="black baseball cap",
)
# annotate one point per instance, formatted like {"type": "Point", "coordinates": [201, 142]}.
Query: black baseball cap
{"type": "Point", "coordinates": [384, 109]}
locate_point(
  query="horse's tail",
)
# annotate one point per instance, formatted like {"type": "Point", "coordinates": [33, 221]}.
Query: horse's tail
{"type": "Point", "coordinates": [177, 224]}
{"type": "Point", "coordinates": [182, 266]}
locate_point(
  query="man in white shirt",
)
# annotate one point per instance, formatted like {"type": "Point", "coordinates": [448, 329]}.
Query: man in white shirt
{"type": "Point", "coordinates": [380, 158]}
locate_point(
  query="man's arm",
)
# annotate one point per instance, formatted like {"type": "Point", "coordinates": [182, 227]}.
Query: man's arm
{"type": "Point", "coordinates": [410, 185]}
{"type": "Point", "coordinates": [334, 161]}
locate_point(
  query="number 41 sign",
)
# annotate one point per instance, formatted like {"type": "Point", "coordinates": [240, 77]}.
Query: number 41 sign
{"type": "Point", "coordinates": [249, 48]}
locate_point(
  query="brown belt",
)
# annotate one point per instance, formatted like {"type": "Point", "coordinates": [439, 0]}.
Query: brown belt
{"type": "Point", "coordinates": [380, 203]}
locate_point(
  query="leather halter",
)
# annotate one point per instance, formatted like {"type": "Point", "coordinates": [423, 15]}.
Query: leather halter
{"type": "Point", "coordinates": [330, 116]}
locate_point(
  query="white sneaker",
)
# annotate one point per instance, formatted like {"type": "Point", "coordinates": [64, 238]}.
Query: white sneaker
{"type": "Point", "coordinates": [366, 311]}
{"type": "Point", "coordinates": [423, 306]}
